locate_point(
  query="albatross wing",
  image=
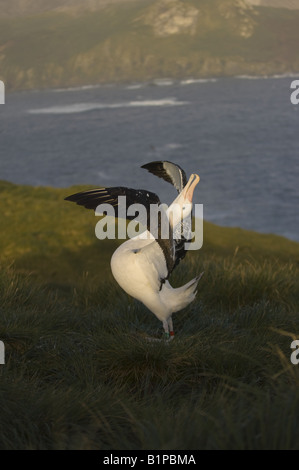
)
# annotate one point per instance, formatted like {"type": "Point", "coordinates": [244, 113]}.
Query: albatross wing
{"type": "Point", "coordinates": [168, 171]}
{"type": "Point", "coordinates": [93, 198]}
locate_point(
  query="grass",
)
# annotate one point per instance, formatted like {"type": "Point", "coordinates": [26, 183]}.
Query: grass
{"type": "Point", "coordinates": [78, 373]}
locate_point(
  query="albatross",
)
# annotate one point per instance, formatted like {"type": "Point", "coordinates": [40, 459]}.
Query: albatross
{"type": "Point", "coordinates": [142, 265]}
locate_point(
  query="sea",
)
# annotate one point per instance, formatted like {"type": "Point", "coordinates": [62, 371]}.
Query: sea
{"type": "Point", "coordinates": [240, 135]}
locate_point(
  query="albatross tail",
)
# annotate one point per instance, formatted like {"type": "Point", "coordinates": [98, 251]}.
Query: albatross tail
{"type": "Point", "coordinates": [179, 298]}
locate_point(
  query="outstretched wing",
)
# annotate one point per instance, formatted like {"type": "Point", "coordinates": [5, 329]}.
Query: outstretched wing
{"type": "Point", "coordinates": [94, 197]}
{"type": "Point", "coordinates": [170, 172]}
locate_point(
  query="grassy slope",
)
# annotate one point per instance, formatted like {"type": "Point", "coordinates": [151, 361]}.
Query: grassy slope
{"type": "Point", "coordinates": [80, 375]}
{"type": "Point", "coordinates": [114, 44]}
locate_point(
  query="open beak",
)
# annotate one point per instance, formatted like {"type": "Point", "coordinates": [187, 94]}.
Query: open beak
{"type": "Point", "coordinates": [190, 186]}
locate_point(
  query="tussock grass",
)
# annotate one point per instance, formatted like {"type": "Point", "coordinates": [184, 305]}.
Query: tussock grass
{"type": "Point", "coordinates": [79, 373]}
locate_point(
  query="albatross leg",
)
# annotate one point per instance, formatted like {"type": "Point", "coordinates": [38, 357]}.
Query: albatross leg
{"type": "Point", "coordinates": [170, 324]}
{"type": "Point", "coordinates": [166, 329]}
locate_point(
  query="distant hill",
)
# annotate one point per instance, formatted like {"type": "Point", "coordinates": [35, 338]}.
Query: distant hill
{"type": "Point", "coordinates": [15, 8]}
{"type": "Point", "coordinates": [129, 40]}
{"type": "Point", "coordinates": [290, 4]}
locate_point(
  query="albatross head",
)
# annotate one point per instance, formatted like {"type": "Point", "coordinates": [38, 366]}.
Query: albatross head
{"type": "Point", "coordinates": [181, 207]}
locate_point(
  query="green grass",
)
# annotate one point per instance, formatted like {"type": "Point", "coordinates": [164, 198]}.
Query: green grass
{"type": "Point", "coordinates": [78, 372]}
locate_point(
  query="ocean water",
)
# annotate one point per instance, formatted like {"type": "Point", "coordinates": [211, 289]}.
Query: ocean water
{"type": "Point", "coordinates": [241, 135]}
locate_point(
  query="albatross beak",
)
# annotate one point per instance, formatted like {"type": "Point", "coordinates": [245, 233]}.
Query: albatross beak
{"type": "Point", "coordinates": [190, 186]}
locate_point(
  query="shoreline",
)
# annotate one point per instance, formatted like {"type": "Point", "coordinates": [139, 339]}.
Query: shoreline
{"type": "Point", "coordinates": [155, 82]}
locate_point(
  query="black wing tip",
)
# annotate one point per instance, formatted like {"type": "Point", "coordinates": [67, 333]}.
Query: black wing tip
{"type": "Point", "coordinates": [150, 163]}
{"type": "Point", "coordinates": [74, 197]}
{"type": "Point", "coordinates": [154, 164]}
{"type": "Point", "coordinates": [80, 200]}
{"type": "Point", "coordinates": [160, 162]}
{"type": "Point", "coordinates": [77, 196]}
{"type": "Point", "coordinates": [70, 198]}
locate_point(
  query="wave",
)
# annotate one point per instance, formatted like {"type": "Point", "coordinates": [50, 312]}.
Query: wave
{"type": "Point", "coordinates": [267, 77]}
{"type": "Point", "coordinates": [191, 81]}
{"type": "Point", "coordinates": [84, 107]}
{"type": "Point", "coordinates": [285, 75]}
{"type": "Point", "coordinates": [173, 146]}
{"type": "Point", "coordinates": [168, 82]}
{"type": "Point", "coordinates": [136, 86]}
{"type": "Point", "coordinates": [251, 77]}
{"type": "Point", "coordinates": [162, 82]}
{"type": "Point", "coordinates": [164, 150]}
{"type": "Point", "coordinates": [102, 175]}
{"type": "Point", "coordinates": [75, 88]}
{"type": "Point", "coordinates": [155, 82]}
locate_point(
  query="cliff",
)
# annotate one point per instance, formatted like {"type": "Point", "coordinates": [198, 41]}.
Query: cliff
{"type": "Point", "coordinates": [134, 41]}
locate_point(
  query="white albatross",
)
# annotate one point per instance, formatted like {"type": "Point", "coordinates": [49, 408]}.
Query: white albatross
{"type": "Point", "coordinates": [143, 264]}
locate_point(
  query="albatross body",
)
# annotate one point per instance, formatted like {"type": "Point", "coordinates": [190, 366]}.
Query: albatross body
{"type": "Point", "coordinates": [143, 264]}
{"type": "Point", "coordinates": [139, 273]}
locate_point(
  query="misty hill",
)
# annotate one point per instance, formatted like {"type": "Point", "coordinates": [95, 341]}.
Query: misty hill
{"type": "Point", "coordinates": [290, 4]}
{"type": "Point", "coordinates": [14, 8]}
{"type": "Point", "coordinates": [140, 40]}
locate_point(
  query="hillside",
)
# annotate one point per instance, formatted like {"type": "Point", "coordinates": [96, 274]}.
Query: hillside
{"type": "Point", "coordinates": [127, 41]}
{"type": "Point", "coordinates": [15, 8]}
{"type": "Point", "coordinates": [79, 373]}
{"type": "Point", "coordinates": [290, 4]}
{"type": "Point", "coordinates": [54, 240]}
